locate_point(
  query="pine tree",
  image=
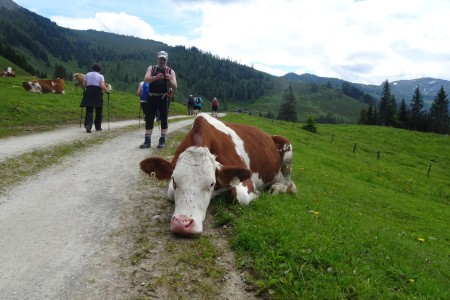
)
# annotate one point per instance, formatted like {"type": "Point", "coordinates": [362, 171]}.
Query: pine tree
{"type": "Point", "coordinates": [393, 111]}
{"type": "Point", "coordinates": [403, 115]}
{"type": "Point", "coordinates": [371, 115]}
{"type": "Point", "coordinates": [60, 72]}
{"type": "Point", "coordinates": [363, 117]}
{"type": "Point", "coordinates": [287, 110]}
{"type": "Point", "coordinates": [417, 112]}
{"type": "Point", "coordinates": [310, 124]}
{"type": "Point", "coordinates": [440, 119]}
{"type": "Point", "coordinates": [387, 106]}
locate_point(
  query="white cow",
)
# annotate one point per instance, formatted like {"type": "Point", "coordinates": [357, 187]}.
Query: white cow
{"type": "Point", "coordinates": [77, 79]}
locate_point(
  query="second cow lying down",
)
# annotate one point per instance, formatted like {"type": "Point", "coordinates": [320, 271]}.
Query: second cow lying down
{"type": "Point", "coordinates": [216, 157]}
{"type": "Point", "coordinates": [42, 86]}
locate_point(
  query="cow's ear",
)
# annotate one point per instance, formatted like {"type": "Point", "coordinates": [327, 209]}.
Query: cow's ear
{"type": "Point", "coordinates": [157, 167]}
{"type": "Point", "coordinates": [226, 174]}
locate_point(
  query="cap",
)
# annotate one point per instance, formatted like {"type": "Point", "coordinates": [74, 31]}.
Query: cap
{"type": "Point", "coordinates": [163, 54]}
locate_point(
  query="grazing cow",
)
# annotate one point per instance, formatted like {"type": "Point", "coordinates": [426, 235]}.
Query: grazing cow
{"type": "Point", "coordinates": [77, 79]}
{"type": "Point", "coordinates": [45, 86]}
{"type": "Point", "coordinates": [215, 157]}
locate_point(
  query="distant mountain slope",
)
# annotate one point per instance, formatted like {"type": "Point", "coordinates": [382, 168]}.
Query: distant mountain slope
{"type": "Point", "coordinates": [8, 4]}
{"type": "Point", "coordinates": [402, 89]}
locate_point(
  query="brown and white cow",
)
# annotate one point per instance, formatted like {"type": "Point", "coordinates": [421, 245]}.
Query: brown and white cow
{"type": "Point", "coordinates": [215, 157]}
{"type": "Point", "coordinates": [8, 73]}
{"type": "Point", "coordinates": [77, 79]}
{"type": "Point", "coordinates": [45, 86]}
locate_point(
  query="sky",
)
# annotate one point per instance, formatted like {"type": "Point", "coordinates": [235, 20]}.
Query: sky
{"type": "Point", "coordinates": [361, 41]}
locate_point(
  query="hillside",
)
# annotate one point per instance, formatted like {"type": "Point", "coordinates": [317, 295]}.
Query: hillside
{"type": "Point", "coordinates": [402, 89]}
{"type": "Point", "coordinates": [38, 46]}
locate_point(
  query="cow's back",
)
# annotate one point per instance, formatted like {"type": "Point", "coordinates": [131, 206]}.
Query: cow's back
{"type": "Point", "coordinates": [262, 151]}
{"type": "Point", "coordinates": [235, 145]}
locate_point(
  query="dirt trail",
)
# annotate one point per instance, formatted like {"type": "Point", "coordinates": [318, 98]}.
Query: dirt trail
{"type": "Point", "coordinates": [63, 232]}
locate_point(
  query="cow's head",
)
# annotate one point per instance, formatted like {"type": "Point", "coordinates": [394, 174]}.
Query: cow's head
{"type": "Point", "coordinates": [32, 86]}
{"type": "Point", "coordinates": [192, 182]}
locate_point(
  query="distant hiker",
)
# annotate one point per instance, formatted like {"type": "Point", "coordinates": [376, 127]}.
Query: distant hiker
{"type": "Point", "coordinates": [214, 107]}
{"type": "Point", "coordinates": [161, 79]}
{"type": "Point", "coordinates": [142, 93]}
{"type": "Point", "coordinates": [197, 105]}
{"type": "Point", "coordinates": [190, 105]}
{"type": "Point", "coordinates": [93, 84]}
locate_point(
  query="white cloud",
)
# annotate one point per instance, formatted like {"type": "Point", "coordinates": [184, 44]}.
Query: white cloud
{"type": "Point", "coordinates": [361, 41]}
{"type": "Point", "coordinates": [119, 23]}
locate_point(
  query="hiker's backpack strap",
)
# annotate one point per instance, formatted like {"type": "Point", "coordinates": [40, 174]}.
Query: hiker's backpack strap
{"type": "Point", "coordinates": [168, 82]}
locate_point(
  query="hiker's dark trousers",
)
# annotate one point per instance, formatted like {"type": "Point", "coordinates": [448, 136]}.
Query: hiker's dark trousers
{"type": "Point", "coordinates": [90, 115]}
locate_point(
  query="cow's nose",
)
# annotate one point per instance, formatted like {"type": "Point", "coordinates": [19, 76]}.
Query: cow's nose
{"type": "Point", "coordinates": [183, 225]}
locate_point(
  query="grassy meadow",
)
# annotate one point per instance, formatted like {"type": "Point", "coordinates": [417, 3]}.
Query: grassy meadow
{"type": "Point", "coordinates": [360, 227]}
{"type": "Point", "coordinates": [24, 112]}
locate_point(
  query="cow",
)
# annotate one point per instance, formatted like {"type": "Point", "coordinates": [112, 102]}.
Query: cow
{"type": "Point", "coordinates": [45, 86]}
{"type": "Point", "coordinates": [216, 157]}
{"type": "Point", "coordinates": [77, 79]}
{"type": "Point", "coordinates": [8, 73]}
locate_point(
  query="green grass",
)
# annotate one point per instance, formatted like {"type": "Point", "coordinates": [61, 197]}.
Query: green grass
{"type": "Point", "coordinates": [359, 227]}
{"type": "Point", "coordinates": [23, 112]}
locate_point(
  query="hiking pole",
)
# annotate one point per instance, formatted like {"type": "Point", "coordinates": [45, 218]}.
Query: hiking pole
{"type": "Point", "coordinates": [108, 111]}
{"type": "Point", "coordinates": [139, 124]}
{"type": "Point", "coordinates": [81, 116]}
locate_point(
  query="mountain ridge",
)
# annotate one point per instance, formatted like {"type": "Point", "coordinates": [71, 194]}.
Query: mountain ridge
{"type": "Point", "coordinates": [402, 89]}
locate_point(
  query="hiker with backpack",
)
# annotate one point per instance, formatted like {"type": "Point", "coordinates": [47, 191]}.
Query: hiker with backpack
{"type": "Point", "coordinates": [214, 107]}
{"type": "Point", "coordinates": [161, 78]}
{"type": "Point", "coordinates": [190, 105]}
{"type": "Point", "coordinates": [197, 105]}
{"type": "Point", "coordinates": [142, 93]}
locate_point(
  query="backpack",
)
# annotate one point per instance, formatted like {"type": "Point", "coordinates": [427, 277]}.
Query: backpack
{"type": "Point", "coordinates": [167, 72]}
{"type": "Point", "coordinates": [215, 103]}
{"type": "Point", "coordinates": [198, 101]}
{"type": "Point", "coordinates": [145, 90]}
{"type": "Point", "coordinates": [190, 101]}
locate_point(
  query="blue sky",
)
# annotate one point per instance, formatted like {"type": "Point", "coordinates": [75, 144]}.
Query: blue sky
{"type": "Point", "coordinates": [363, 41]}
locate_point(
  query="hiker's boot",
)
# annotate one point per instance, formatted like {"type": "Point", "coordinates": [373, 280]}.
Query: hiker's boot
{"type": "Point", "coordinates": [162, 142]}
{"type": "Point", "coordinates": [146, 143]}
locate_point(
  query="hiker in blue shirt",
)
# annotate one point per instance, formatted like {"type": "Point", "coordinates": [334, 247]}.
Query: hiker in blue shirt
{"type": "Point", "coordinates": [198, 105]}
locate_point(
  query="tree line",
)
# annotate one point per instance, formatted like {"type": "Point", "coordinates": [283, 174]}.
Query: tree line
{"type": "Point", "coordinates": [390, 113]}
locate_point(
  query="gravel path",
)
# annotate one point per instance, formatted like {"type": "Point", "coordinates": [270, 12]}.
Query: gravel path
{"type": "Point", "coordinates": [52, 224]}
{"type": "Point", "coordinates": [63, 231]}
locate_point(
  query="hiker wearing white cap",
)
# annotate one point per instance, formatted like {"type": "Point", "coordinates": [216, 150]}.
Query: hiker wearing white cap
{"type": "Point", "coordinates": [162, 78]}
